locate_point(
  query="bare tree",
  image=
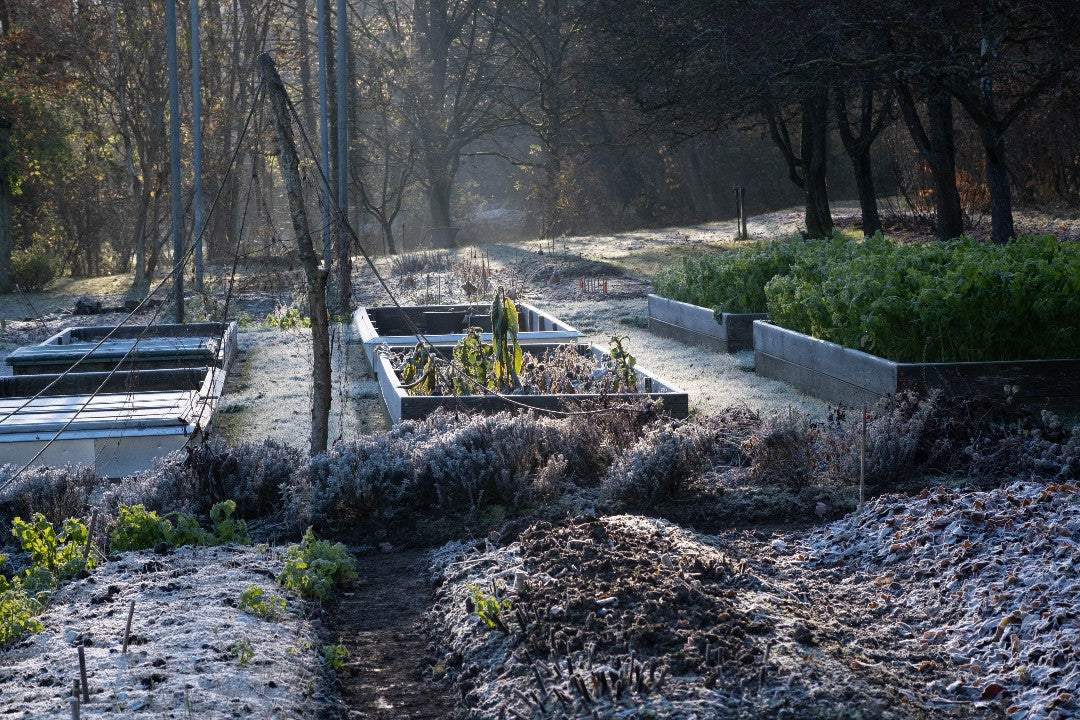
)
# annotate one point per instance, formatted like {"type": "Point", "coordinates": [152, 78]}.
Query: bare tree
{"type": "Point", "coordinates": [447, 67]}
{"type": "Point", "coordinates": [315, 274]}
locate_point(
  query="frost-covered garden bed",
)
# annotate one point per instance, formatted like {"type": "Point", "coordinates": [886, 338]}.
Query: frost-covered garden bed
{"type": "Point", "coordinates": [564, 377]}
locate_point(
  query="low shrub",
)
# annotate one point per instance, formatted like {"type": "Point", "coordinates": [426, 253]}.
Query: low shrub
{"type": "Point", "coordinates": [666, 455]}
{"type": "Point", "coordinates": [137, 528]}
{"type": "Point", "coordinates": [456, 464]}
{"type": "Point", "coordinates": [194, 479]}
{"type": "Point", "coordinates": [55, 492]}
{"type": "Point", "coordinates": [313, 567]}
{"type": "Point", "coordinates": [32, 269]}
{"type": "Point", "coordinates": [734, 281]}
{"type": "Point", "coordinates": [960, 300]}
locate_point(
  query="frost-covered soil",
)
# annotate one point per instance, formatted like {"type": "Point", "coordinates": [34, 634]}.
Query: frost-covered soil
{"type": "Point", "coordinates": [187, 651]}
{"type": "Point", "coordinates": [950, 605]}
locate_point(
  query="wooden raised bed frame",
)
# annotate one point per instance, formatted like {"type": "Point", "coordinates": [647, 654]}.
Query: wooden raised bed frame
{"type": "Point", "coordinates": [443, 326]}
{"type": "Point", "coordinates": [137, 417]}
{"type": "Point", "coordinates": [845, 376]}
{"type": "Point", "coordinates": [402, 406]}
{"type": "Point", "coordinates": [156, 347]}
{"type": "Point", "coordinates": [696, 325]}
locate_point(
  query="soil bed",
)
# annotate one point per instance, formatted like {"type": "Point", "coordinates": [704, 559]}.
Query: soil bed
{"type": "Point", "coordinates": [627, 616]}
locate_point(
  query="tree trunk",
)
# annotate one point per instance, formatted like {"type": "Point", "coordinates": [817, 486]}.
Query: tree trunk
{"type": "Point", "coordinates": [6, 235]}
{"type": "Point", "coordinates": [942, 161]}
{"type": "Point", "coordinates": [315, 275]}
{"type": "Point", "coordinates": [938, 149]}
{"type": "Point", "coordinates": [864, 184]}
{"type": "Point", "coordinates": [815, 149]}
{"type": "Point", "coordinates": [388, 235]}
{"type": "Point", "coordinates": [997, 182]}
{"type": "Point", "coordinates": [142, 213]}
{"type": "Point", "coordinates": [441, 182]}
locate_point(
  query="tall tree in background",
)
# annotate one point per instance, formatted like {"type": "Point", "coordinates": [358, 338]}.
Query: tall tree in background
{"type": "Point", "coordinates": [387, 166]}
{"type": "Point", "coordinates": [449, 66]}
{"type": "Point", "coordinates": [544, 37]}
{"type": "Point", "coordinates": [997, 59]}
{"type": "Point", "coordinates": [699, 66]}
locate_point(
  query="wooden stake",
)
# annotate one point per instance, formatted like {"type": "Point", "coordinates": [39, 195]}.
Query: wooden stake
{"type": "Point", "coordinates": [82, 675]}
{"type": "Point", "coordinates": [862, 461]}
{"type": "Point", "coordinates": [73, 702]}
{"type": "Point", "coordinates": [127, 630]}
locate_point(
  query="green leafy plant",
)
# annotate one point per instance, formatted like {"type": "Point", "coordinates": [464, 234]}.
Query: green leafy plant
{"type": "Point", "coordinates": [504, 340]}
{"type": "Point", "coordinates": [334, 656]}
{"type": "Point", "coordinates": [60, 553]}
{"type": "Point", "coordinates": [243, 652]}
{"type": "Point", "coordinates": [960, 300]}
{"type": "Point", "coordinates": [189, 532]}
{"type": "Point", "coordinates": [623, 366]}
{"type": "Point", "coordinates": [734, 281]}
{"type": "Point", "coordinates": [18, 611]}
{"type": "Point", "coordinates": [419, 374]}
{"type": "Point", "coordinates": [313, 567]}
{"type": "Point", "coordinates": [287, 319]}
{"type": "Point", "coordinates": [227, 529]}
{"type": "Point", "coordinates": [488, 608]}
{"type": "Point", "coordinates": [256, 601]}
{"type": "Point", "coordinates": [137, 528]}
{"type": "Point", "coordinates": [473, 359]}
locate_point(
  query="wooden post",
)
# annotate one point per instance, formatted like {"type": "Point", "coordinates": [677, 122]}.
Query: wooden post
{"type": "Point", "coordinates": [316, 276]}
{"type": "Point", "coordinates": [82, 675]}
{"type": "Point", "coordinates": [127, 628]}
{"type": "Point", "coordinates": [742, 213]}
{"type": "Point", "coordinates": [862, 461]}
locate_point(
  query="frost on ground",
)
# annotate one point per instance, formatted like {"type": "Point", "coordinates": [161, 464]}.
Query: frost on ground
{"type": "Point", "coordinates": [268, 391]}
{"type": "Point", "coordinates": [983, 584]}
{"type": "Point", "coordinates": [192, 652]}
{"type": "Point", "coordinates": [627, 616]}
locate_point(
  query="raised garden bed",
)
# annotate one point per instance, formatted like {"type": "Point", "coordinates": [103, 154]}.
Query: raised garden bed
{"type": "Point", "coordinates": [129, 347]}
{"type": "Point", "coordinates": [116, 423]}
{"type": "Point", "coordinates": [850, 377]}
{"type": "Point", "coordinates": [697, 325]}
{"type": "Point", "coordinates": [445, 325]}
{"type": "Point", "coordinates": [402, 406]}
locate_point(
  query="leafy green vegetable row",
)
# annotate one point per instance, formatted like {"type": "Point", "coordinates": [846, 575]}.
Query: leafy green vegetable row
{"type": "Point", "coordinates": [960, 300]}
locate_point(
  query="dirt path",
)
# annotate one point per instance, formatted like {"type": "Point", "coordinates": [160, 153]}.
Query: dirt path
{"type": "Point", "coordinates": [382, 624]}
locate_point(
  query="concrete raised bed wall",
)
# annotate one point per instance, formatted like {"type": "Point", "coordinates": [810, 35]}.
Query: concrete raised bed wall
{"type": "Point", "coordinates": [402, 406]}
{"type": "Point", "coordinates": [850, 377]}
{"type": "Point", "coordinates": [443, 325]}
{"type": "Point", "coordinates": [697, 325]}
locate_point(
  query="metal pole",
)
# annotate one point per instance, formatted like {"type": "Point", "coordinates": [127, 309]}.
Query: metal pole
{"type": "Point", "coordinates": [342, 114]}
{"type": "Point", "coordinates": [196, 130]}
{"type": "Point", "coordinates": [324, 141]}
{"type": "Point", "coordinates": [174, 158]}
